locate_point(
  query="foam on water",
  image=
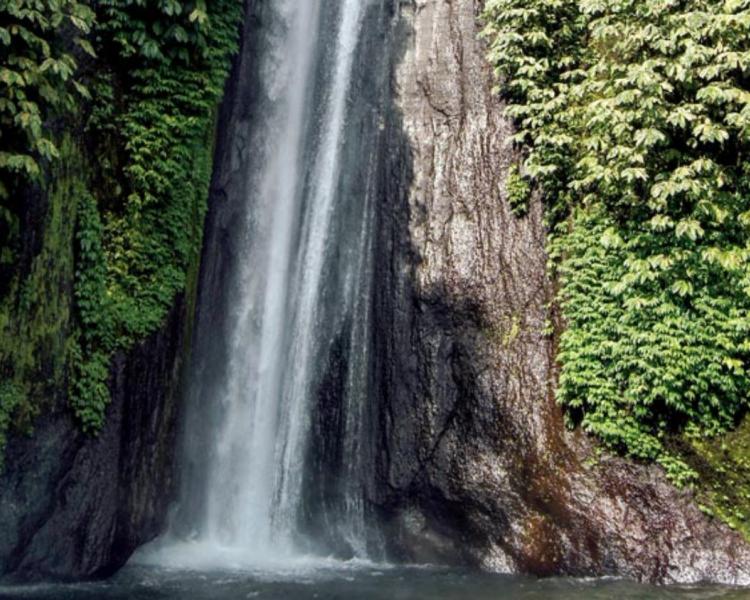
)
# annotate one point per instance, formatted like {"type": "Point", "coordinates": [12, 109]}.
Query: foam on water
{"type": "Point", "coordinates": [192, 556]}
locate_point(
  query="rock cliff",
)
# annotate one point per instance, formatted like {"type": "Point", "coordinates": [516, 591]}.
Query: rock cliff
{"type": "Point", "coordinates": [471, 462]}
{"type": "Point", "coordinates": [74, 506]}
{"type": "Point", "coordinates": [476, 464]}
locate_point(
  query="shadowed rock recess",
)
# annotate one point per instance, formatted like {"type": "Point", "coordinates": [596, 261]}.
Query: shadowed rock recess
{"type": "Point", "coordinates": [466, 458]}
{"type": "Point", "coordinates": [73, 506]}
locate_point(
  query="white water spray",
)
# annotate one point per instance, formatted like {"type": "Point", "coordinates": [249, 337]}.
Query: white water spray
{"type": "Point", "coordinates": [280, 329]}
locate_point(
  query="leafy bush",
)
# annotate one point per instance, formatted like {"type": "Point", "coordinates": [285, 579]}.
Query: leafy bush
{"type": "Point", "coordinates": [156, 109]}
{"type": "Point", "coordinates": [634, 116]}
{"type": "Point", "coordinates": [90, 353]}
{"type": "Point", "coordinates": [34, 78]}
{"type": "Point", "coordinates": [168, 31]}
{"type": "Point", "coordinates": [37, 80]}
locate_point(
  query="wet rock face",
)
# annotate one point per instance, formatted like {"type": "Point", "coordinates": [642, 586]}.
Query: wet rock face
{"type": "Point", "coordinates": [74, 506]}
{"type": "Point", "coordinates": [474, 463]}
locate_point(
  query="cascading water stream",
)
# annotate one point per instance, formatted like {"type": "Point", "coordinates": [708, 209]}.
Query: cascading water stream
{"type": "Point", "coordinates": [305, 318]}
{"type": "Point", "coordinates": [242, 480]}
{"type": "Point", "coordinates": [299, 287]}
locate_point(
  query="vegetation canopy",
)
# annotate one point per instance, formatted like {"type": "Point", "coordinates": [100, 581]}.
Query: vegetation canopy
{"type": "Point", "coordinates": [111, 104]}
{"type": "Point", "coordinates": [634, 117]}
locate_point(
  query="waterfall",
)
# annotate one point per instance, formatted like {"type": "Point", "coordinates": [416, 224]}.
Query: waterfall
{"type": "Point", "coordinates": [295, 305]}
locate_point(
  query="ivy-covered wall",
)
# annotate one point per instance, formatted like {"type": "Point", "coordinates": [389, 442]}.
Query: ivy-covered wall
{"type": "Point", "coordinates": [633, 118]}
{"type": "Point", "coordinates": [106, 139]}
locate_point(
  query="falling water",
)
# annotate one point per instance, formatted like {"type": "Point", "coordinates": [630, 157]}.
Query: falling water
{"type": "Point", "coordinates": [298, 288]}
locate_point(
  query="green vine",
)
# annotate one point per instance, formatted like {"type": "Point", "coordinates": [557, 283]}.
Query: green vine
{"type": "Point", "coordinates": [519, 191]}
{"type": "Point", "coordinates": [157, 111]}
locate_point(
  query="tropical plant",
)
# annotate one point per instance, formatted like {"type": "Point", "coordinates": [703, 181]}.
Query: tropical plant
{"type": "Point", "coordinates": [634, 117]}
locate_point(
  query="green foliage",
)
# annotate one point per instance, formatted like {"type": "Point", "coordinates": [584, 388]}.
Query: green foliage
{"type": "Point", "coordinates": [722, 465]}
{"type": "Point", "coordinates": [89, 395]}
{"type": "Point", "coordinates": [641, 358]}
{"type": "Point", "coordinates": [37, 82]}
{"type": "Point", "coordinates": [157, 110]}
{"type": "Point", "coordinates": [519, 192]}
{"type": "Point", "coordinates": [35, 310]}
{"type": "Point", "coordinates": [34, 79]}
{"type": "Point", "coordinates": [132, 198]}
{"type": "Point", "coordinates": [90, 353]}
{"type": "Point", "coordinates": [10, 398]}
{"type": "Point", "coordinates": [635, 116]}
{"type": "Point", "coordinates": [535, 46]}
{"type": "Point", "coordinates": [166, 31]}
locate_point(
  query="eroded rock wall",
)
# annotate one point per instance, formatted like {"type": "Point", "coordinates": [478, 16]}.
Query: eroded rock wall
{"type": "Point", "coordinates": [476, 465]}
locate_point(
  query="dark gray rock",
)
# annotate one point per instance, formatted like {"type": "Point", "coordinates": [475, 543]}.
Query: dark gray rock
{"type": "Point", "coordinates": [74, 506]}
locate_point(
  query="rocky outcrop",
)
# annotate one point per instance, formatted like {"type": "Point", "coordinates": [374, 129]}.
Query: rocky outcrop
{"type": "Point", "coordinates": [75, 506]}
{"type": "Point", "coordinates": [475, 464]}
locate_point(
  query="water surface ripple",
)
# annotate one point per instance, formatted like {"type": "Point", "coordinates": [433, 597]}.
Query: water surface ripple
{"type": "Point", "coordinates": [334, 580]}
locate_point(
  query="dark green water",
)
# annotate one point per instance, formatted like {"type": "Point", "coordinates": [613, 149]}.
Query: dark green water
{"type": "Point", "coordinates": [357, 582]}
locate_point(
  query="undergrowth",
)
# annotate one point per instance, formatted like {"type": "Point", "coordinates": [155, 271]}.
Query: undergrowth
{"type": "Point", "coordinates": [133, 87]}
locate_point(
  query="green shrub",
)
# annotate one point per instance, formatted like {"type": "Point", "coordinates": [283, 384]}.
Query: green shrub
{"type": "Point", "coordinates": [153, 118]}
{"type": "Point", "coordinates": [634, 117]}
{"type": "Point", "coordinates": [37, 81]}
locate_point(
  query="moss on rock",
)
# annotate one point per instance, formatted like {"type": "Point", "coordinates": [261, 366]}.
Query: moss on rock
{"type": "Point", "coordinates": [723, 466]}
